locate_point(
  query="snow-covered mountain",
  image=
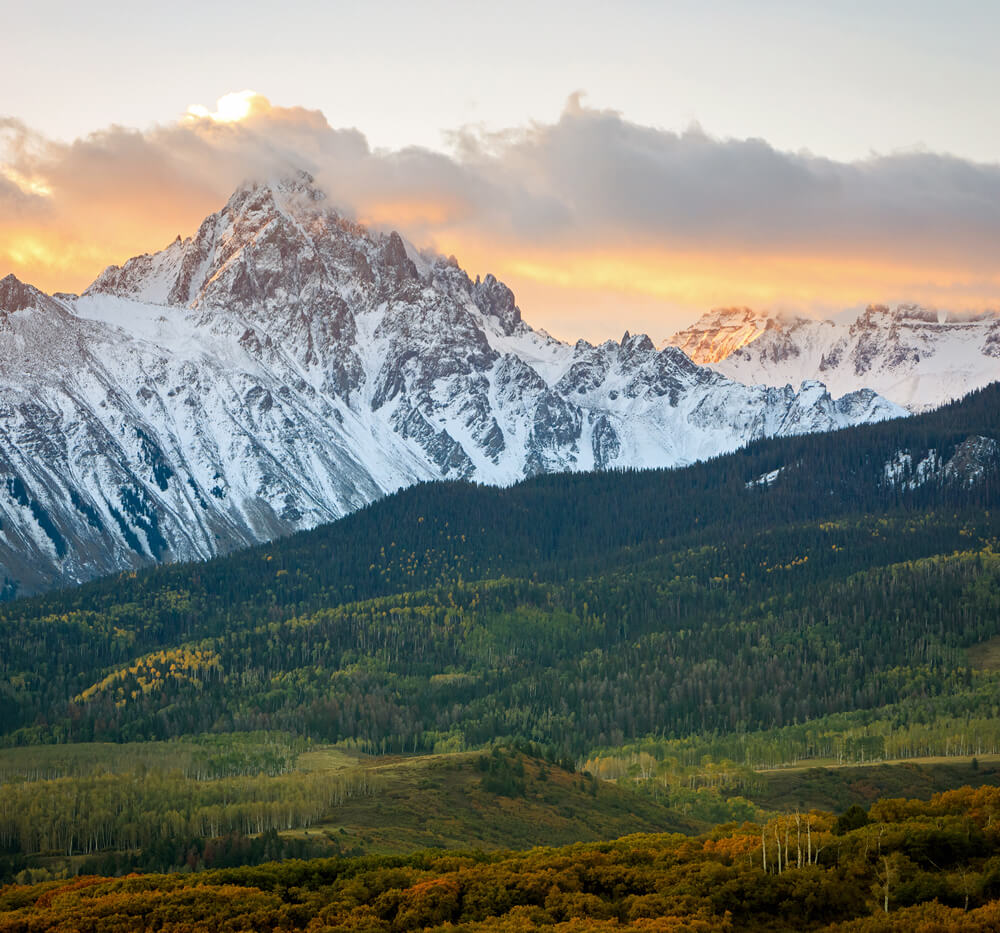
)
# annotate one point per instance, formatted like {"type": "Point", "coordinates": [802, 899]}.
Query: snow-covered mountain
{"type": "Point", "coordinates": [915, 357]}
{"type": "Point", "coordinates": [284, 366]}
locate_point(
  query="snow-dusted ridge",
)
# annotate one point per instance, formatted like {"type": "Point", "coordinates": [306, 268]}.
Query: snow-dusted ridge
{"type": "Point", "coordinates": [916, 357]}
{"type": "Point", "coordinates": [283, 367]}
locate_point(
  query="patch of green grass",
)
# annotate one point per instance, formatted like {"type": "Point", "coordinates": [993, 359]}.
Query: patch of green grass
{"type": "Point", "coordinates": [838, 788]}
{"type": "Point", "coordinates": [328, 758]}
{"type": "Point", "coordinates": [386, 805]}
{"type": "Point", "coordinates": [986, 655]}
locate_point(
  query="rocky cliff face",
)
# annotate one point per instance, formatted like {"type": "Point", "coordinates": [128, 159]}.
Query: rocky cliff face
{"type": "Point", "coordinates": [283, 367]}
{"type": "Point", "coordinates": [913, 356]}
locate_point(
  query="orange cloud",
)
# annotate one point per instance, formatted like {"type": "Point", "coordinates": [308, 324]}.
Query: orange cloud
{"type": "Point", "coordinates": [600, 291]}
{"type": "Point", "coordinates": [597, 223]}
{"type": "Point", "coordinates": [695, 278]}
{"type": "Point", "coordinates": [410, 214]}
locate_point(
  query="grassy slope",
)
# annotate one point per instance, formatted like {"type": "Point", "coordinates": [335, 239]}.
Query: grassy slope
{"type": "Point", "coordinates": [986, 655]}
{"type": "Point", "coordinates": [431, 801]}
{"type": "Point", "coordinates": [440, 801]}
{"type": "Point", "coordinates": [837, 788]}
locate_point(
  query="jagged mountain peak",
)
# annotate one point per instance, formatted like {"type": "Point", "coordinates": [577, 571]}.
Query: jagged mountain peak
{"type": "Point", "coordinates": [293, 196]}
{"type": "Point", "coordinates": [277, 243]}
{"type": "Point", "coordinates": [640, 343]}
{"type": "Point", "coordinates": [16, 295]}
{"type": "Point", "coordinates": [495, 299]}
{"type": "Point", "coordinates": [293, 181]}
{"type": "Point", "coordinates": [880, 315]}
{"type": "Point", "coordinates": [283, 366]}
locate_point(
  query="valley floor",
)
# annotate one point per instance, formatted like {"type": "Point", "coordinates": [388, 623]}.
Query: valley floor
{"type": "Point", "coordinates": [902, 865]}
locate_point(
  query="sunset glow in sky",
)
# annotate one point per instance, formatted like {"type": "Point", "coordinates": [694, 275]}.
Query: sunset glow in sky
{"type": "Point", "coordinates": [770, 154]}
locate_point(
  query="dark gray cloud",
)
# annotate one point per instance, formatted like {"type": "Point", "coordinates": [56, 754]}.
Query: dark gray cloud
{"type": "Point", "coordinates": [595, 174]}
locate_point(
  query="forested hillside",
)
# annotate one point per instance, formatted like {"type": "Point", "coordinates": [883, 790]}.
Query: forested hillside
{"type": "Point", "coordinates": [575, 611]}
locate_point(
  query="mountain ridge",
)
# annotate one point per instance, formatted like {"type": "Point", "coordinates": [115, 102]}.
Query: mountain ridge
{"type": "Point", "coordinates": [282, 367]}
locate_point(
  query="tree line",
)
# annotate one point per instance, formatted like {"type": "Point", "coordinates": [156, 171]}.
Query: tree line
{"type": "Point", "coordinates": [129, 812]}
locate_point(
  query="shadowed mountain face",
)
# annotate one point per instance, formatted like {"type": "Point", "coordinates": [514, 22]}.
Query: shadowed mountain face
{"type": "Point", "coordinates": [284, 366]}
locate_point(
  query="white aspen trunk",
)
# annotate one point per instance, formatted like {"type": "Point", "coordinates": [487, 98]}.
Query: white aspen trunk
{"type": "Point", "coordinates": [798, 838]}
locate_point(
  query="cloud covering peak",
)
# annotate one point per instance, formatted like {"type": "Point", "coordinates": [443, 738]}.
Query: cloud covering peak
{"type": "Point", "coordinates": [591, 218]}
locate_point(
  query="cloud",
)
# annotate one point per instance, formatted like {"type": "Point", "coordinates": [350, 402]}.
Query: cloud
{"type": "Point", "coordinates": [580, 214]}
{"type": "Point", "coordinates": [595, 175]}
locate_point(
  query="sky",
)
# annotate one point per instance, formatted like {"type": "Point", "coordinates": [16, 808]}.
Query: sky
{"type": "Point", "coordinates": [627, 165]}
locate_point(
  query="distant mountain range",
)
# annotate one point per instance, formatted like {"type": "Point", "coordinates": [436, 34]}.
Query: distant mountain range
{"type": "Point", "coordinates": [916, 357]}
{"type": "Point", "coordinates": [284, 366]}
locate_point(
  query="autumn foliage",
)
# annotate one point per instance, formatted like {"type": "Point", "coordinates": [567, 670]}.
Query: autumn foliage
{"type": "Point", "coordinates": [915, 865]}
